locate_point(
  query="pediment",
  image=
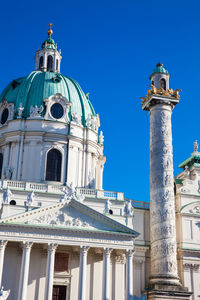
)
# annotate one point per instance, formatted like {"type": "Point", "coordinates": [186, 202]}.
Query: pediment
{"type": "Point", "coordinates": [191, 208]}
{"type": "Point", "coordinates": [69, 215]}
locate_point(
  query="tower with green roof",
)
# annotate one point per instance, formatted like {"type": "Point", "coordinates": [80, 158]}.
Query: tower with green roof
{"type": "Point", "coordinates": [48, 58]}
{"type": "Point", "coordinates": [160, 77]}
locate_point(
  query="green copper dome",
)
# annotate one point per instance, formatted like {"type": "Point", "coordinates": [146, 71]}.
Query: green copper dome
{"type": "Point", "coordinates": [49, 43]}
{"type": "Point", "coordinates": [37, 86]}
{"type": "Point", "coordinates": [159, 69]}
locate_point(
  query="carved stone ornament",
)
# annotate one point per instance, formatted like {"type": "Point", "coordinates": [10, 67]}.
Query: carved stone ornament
{"type": "Point", "coordinates": [7, 194]}
{"type": "Point", "coordinates": [128, 209]}
{"type": "Point", "coordinates": [92, 122]}
{"type": "Point", "coordinates": [4, 294]}
{"type": "Point", "coordinates": [76, 118]}
{"type": "Point", "coordinates": [11, 110]}
{"type": "Point", "coordinates": [30, 198]}
{"type": "Point", "coordinates": [60, 219]}
{"type": "Point", "coordinates": [160, 91]}
{"type": "Point", "coordinates": [162, 208]}
{"type": "Point", "coordinates": [64, 102]}
{"type": "Point", "coordinates": [35, 112]}
{"type": "Point", "coordinates": [101, 138]}
{"type": "Point", "coordinates": [107, 206]}
{"type": "Point", "coordinates": [20, 110]}
{"type": "Point", "coordinates": [71, 193]}
{"type": "Point", "coordinates": [193, 266]}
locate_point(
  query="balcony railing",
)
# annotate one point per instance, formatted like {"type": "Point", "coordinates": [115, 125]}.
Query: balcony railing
{"type": "Point", "coordinates": [58, 189]}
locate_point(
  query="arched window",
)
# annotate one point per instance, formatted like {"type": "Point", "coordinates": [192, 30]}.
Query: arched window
{"type": "Point", "coordinates": [41, 62]}
{"type": "Point", "coordinates": [49, 63]}
{"type": "Point", "coordinates": [163, 83]}
{"type": "Point", "coordinates": [53, 166]}
{"type": "Point", "coordinates": [1, 164]}
{"type": "Point", "coordinates": [56, 64]}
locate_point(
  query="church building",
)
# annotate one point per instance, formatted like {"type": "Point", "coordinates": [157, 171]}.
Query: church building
{"type": "Point", "coordinates": [62, 236]}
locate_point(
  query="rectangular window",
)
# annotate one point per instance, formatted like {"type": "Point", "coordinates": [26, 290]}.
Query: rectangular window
{"type": "Point", "coordinates": [61, 262]}
{"type": "Point", "coordinates": [59, 292]}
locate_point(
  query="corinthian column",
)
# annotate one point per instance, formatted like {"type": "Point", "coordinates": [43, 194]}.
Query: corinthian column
{"type": "Point", "coordinates": [2, 251]}
{"type": "Point", "coordinates": [23, 283]}
{"type": "Point", "coordinates": [50, 271]}
{"type": "Point", "coordinates": [129, 274]}
{"type": "Point", "coordinates": [106, 273]}
{"type": "Point", "coordinates": [83, 272]}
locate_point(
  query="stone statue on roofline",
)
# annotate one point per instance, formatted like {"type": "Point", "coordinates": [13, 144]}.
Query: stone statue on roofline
{"type": "Point", "coordinates": [4, 294]}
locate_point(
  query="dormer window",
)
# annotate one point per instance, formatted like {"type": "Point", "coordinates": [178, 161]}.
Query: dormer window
{"type": "Point", "coordinates": [49, 63]}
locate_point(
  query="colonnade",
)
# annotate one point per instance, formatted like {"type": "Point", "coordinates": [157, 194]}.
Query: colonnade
{"type": "Point", "coordinates": [23, 283]}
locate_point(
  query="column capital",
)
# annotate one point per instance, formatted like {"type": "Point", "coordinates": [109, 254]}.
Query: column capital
{"type": "Point", "coordinates": [84, 249]}
{"type": "Point", "coordinates": [52, 247]}
{"type": "Point", "coordinates": [3, 244]}
{"type": "Point", "coordinates": [130, 252]}
{"type": "Point", "coordinates": [107, 251]}
{"type": "Point", "coordinates": [27, 245]}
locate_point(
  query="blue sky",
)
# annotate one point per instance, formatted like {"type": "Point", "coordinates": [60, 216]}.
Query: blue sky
{"type": "Point", "coordinates": [111, 47]}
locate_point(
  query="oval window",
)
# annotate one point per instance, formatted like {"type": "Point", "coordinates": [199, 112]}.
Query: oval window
{"type": "Point", "coordinates": [4, 116]}
{"type": "Point", "coordinates": [57, 110]}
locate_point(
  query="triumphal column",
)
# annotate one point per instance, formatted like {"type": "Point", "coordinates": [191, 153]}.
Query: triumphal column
{"type": "Point", "coordinates": [160, 101]}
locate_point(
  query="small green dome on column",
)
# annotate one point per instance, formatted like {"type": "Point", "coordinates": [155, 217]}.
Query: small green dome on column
{"type": "Point", "coordinates": [159, 69]}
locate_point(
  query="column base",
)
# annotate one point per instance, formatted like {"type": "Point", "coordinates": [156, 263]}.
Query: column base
{"type": "Point", "coordinates": [168, 292]}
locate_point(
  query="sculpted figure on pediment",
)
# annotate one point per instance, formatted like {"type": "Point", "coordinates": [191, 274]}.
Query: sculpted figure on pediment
{"type": "Point", "coordinates": [59, 219]}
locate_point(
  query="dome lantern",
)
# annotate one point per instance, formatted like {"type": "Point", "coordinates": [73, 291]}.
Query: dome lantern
{"type": "Point", "coordinates": [160, 77]}
{"type": "Point", "coordinates": [48, 58]}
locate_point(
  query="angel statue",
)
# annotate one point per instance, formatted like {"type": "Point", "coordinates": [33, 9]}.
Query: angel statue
{"type": "Point", "coordinates": [6, 196]}
{"type": "Point", "coordinates": [128, 209]}
{"type": "Point", "coordinates": [30, 198]}
{"type": "Point", "coordinates": [107, 207]}
{"type": "Point", "coordinates": [4, 294]}
{"type": "Point", "coordinates": [71, 193]}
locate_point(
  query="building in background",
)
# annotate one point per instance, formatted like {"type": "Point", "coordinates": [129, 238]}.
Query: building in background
{"type": "Point", "coordinates": [61, 235]}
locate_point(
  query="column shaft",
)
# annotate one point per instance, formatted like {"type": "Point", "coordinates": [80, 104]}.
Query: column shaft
{"type": "Point", "coordinates": [2, 251]}
{"type": "Point", "coordinates": [50, 271]}
{"type": "Point", "coordinates": [83, 272]}
{"type": "Point", "coordinates": [129, 274]}
{"type": "Point", "coordinates": [23, 283]}
{"type": "Point", "coordinates": [162, 207]}
{"type": "Point", "coordinates": [106, 274]}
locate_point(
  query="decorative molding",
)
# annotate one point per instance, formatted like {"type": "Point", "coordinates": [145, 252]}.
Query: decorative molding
{"type": "Point", "coordinates": [193, 266]}
{"type": "Point", "coordinates": [64, 102]}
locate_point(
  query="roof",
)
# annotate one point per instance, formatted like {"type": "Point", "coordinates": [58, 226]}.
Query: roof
{"type": "Point", "coordinates": [159, 69]}
{"type": "Point", "coordinates": [32, 89]}
{"type": "Point", "coordinates": [194, 159]}
{"type": "Point", "coordinates": [46, 216]}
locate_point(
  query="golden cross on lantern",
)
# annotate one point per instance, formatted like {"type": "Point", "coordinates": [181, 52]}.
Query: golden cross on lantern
{"type": "Point", "coordinates": [50, 31]}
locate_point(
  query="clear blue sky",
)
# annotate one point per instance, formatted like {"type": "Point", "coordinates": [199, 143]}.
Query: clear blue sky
{"type": "Point", "coordinates": [111, 47]}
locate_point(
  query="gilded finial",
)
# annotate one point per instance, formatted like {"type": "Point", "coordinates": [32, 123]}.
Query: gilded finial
{"type": "Point", "coordinates": [50, 31]}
